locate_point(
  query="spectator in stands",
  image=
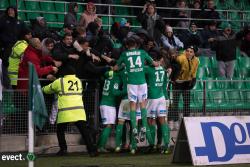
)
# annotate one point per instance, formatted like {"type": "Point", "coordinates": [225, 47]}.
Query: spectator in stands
{"type": "Point", "coordinates": [65, 52]}
{"type": "Point", "coordinates": [70, 17]}
{"type": "Point", "coordinates": [190, 36]}
{"type": "Point", "coordinates": [225, 46]}
{"type": "Point", "coordinates": [148, 18]}
{"type": "Point", "coordinates": [182, 12]}
{"type": "Point", "coordinates": [169, 40]}
{"type": "Point", "coordinates": [184, 82]}
{"type": "Point", "coordinates": [208, 35]}
{"type": "Point", "coordinates": [89, 15]}
{"type": "Point", "coordinates": [47, 46]}
{"type": "Point", "coordinates": [10, 29]}
{"type": "Point", "coordinates": [40, 28]}
{"type": "Point", "coordinates": [86, 66]}
{"type": "Point", "coordinates": [245, 40]}
{"type": "Point", "coordinates": [197, 13]}
{"type": "Point", "coordinates": [16, 55]}
{"type": "Point", "coordinates": [33, 54]}
{"type": "Point", "coordinates": [210, 13]}
{"type": "Point", "coordinates": [67, 29]}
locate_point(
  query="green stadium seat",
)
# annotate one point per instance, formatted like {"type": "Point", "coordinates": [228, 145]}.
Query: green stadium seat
{"type": "Point", "coordinates": [81, 8]}
{"type": "Point", "coordinates": [4, 4]}
{"type": "Point", "coordinates": [214, 62]}
{"type": "Point", "coordinates": [60, 18]}
{"type": "Point", "coordinates": [21, 5]}
{"type": "Point", "coordinates": [235, 99]}
{"type": "Point", "coordinates": [216, 100]}
{"type": "Point", "coordinates": [204, 61]}
{"type": "Point", "coordinates": [202, 72]}
{"type": "Point", "coordinates": [198, 85]}
{"type": "Point", "coordinates": [32, 15]}
{"type": "Point", "coordinates": [12, 2]}
{"type": "Point", "coordinates": [50, 17]}
{"type": "Point", "coordinates": [246, 99]}
{"type": "Point", "coordinates": [198, 99]}
{"type": "Point", "coordinates": [244, 62]}
{"type": "Point", "coordinates": [210, 84]}
{"type": "Point", "coordinates": [60, 7]}
{"type": "Point", "coordinates": [223, 83]}
{"type": "Point", "coordinates": [122, 11]}
{"type": "Point", "coordinates": [32, 5]}
{"type": "Point", "coordinates": [22, 16]}
{"type": "Point", "coordinates": [47, 6]}
{"type": "Point", "coordinates": [247, 83]}
{"type": "Point", "coordinates": [105, 20]}
{"type": "Point", "coordinates": [244, 72]}
{"type": "Point", "coordinates": [238, 84]}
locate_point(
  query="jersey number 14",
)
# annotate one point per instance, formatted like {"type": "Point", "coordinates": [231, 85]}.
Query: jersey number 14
{"type": "Point", "coordinates": [137, 62]}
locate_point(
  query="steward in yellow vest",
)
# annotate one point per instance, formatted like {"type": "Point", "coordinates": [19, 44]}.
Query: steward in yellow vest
{"type": "Point", "coordinates": [16, 55]}
{"type": "Point", "coordinates": [70, 109]}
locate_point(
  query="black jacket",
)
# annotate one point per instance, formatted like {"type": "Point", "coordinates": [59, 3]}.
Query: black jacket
{"type": "Point", "coordinates": [61, 53]}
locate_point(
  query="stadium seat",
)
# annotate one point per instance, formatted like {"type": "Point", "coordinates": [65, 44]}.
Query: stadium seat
{"type": "Point", "coordinates": [81, 8]}
{"type": "Point", "coordinates": [234, 99]}
{"type": "Point", "coordinates": [213, 62]}
{"type": "Point", "coordinates": [21, 5]}
{"type": "Point", "coordinates": [105, 20]}
{"type": "Point", "coordinates": [223, 83]}
{"type": "Point", "coordinates": [4, 4]}
{"type": "Point", "coordinates": [210, 84]}
{"type": "Point", "coordinates": [60, 18]}
{"type": "Point", "coordinates": [198, 85]}
{"type": "Point", "coordinates": [244, 72]}
{"type": "Point", "coordinates": [60, 7]}
{"type": "Point", "coordinates": [203, 72]}
{"type": "Point", "coordinates": [246, 99]}
{"type": "Point", "coordinates": [204, 61]}
{"type": "Point", "coordinates": [216, 100]}
{"type": "Point", "coordinates": [247, 83]}
{"type": "Point", "coordinates": [244, 62]}
{"type": "Point", "coordinates": [50, 17]}
{"type": "Point", "coordinates": [12, 2]}
{"type": "Point", "coordinates": [22, 16]}
{"type": "Point", "coordinates": [238, 84]}
{"type": "Point", "coordinates": [197, 99]}
{"type": "Point", "coordinates": [32, 5]}
{"type": "Point", "coordinates": [47, 6]}
{"type": "Point", "coordinates": [32, 15]}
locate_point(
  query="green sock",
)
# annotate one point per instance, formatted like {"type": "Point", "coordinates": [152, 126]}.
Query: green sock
{"type": "Point", "coordinates": [165, 134]}
{"type": "Point", "coordinates": [152, 131]}
{"type": "Point", "coordinates": [133, 142]}
{"type": "Point", "coordinates": [104, 137]}
{"type": "Point", "coordinates": [118, 135]}
{"type": "Point", "coordinates": [145, 124]}
{"type": "Point", "coordinates": [133, 119]}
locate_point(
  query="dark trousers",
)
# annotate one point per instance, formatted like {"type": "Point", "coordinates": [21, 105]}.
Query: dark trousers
{"type": "Point", "coordinates": [178, 90]}
{"type": "Point", "coordinates": [86, 135]}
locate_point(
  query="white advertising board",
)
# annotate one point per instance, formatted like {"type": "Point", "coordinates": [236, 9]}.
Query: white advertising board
{"type": "Point", "coordinates": [218, 140]}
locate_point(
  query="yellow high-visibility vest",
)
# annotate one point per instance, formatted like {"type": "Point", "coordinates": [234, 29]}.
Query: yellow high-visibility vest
{"type": "Point", "coordinates": [14, 60]}
{"type": "Point", "coordinates": [70, 103]}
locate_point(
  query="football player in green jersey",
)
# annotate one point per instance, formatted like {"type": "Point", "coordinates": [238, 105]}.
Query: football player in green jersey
{"type": "Point", "coordinates": [107, 107]}
{"type": "Point", "coordinates": [134, 60]}
{"type": "Point", "coordinates": [157, 85]}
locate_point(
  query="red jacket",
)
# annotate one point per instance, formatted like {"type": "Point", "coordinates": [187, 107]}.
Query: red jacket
{"type": "Point", "coordinates": [35, 57]}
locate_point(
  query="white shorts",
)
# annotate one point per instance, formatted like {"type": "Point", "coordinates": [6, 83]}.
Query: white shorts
{"type": "Point", "coordinates": [156, 108]}
{"type": "Point", "coordinates": [124, 110]}
{"type": "Point", "coordinates": [108, 114]}
{"type": "Point", "coordinates": [137, 92]}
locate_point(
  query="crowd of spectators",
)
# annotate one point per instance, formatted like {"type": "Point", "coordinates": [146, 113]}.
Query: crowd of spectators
{"type": "Point", "coordinates": [84, 46]}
